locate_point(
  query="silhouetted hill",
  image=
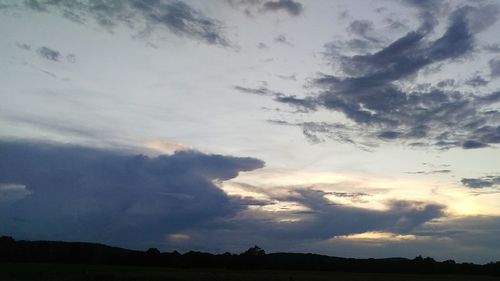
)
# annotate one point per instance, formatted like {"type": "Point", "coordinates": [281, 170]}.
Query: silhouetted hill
{"type": "Point", "coordinates": [255, 258]}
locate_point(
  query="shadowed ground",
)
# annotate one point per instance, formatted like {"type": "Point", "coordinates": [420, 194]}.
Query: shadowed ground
{"type": "Point", "coordinates": [60, 272]}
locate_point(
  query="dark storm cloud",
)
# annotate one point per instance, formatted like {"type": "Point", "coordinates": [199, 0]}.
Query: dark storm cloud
{"type": "Point", "coordinates": [141, 16]}
{"type": "Point", "coordinates": [74, 193]}
{"type": "Point", "coordinates": [292, 7]}
{"type": "Point", "coordinates": [88, 194]}
{"type": "Point", "coordinates": [372, 94]}
{"type": "Point", "coordinates": [488, 181]}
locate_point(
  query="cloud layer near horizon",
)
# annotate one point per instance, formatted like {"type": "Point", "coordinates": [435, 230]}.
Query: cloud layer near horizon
{"type": "Point", "coordinates": [77, 193]}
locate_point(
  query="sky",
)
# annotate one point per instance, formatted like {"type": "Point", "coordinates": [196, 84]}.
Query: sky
{"type": "Point", "coordinates": [347, 128]}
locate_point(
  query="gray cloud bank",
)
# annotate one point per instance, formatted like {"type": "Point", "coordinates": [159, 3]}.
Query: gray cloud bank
{"type": "Point", "coordinates": [74, 193]}
{"type": "Point", "coordinates": [50, 191]}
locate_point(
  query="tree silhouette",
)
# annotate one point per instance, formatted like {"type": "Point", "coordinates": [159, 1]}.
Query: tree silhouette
{"type": "Point", "coordinates": [153, 252]}
{"type": "Point", "coordinates": [254, 251]}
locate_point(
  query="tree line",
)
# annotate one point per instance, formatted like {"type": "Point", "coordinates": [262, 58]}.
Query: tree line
{"type": "Point", "coordinates": [254, 258]}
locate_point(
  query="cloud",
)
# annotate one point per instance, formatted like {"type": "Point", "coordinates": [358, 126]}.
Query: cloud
{"type": "Point", "coordinates": [283, 40]}
{"type": "Point", "coordinates": [364, 29]}
{"type": "Point", "coordinates": [302, 105]}
{"type": "Point", "coordinates": [252, 7]}
{"type": "Point", "coordinates": [477, 81]}
{"type": "Point", "coordinates": [446, 83]}
{"type": "Point", "coordinates": [488, 181]}
{"type": "Point", "coordinates": [289, 6]}
{"type": "Point", "coordinates": [389, 135]}
{"type": "Point", "coordinates": [334, 49]}
{"type": "Point", "coordinates": [471, 144]}
{"type": "Point", "coordinates": [292, 77]}
{"type": "Point", "coordinates": [360, 27]}
{"type": "Point", "coordinates": [141, 16]}
{"type": "Point", "coordinates": [494, 67]}
{"type": "Point", "coordinates": [50, 54]}
{"type": "Point", "coordinates": [492, 48]}
{"type": "Point", "coordinates": [166, 147]}
{"type": "Point", "coordinates": [443, 171]}
{"type": "Point", "coordinates": [317, 132]}
{"type": "Point", "coordinates": [178, 237]}
{"type": "Point", "coordinates": [10, 192]}
{"type": "Point", "coordinates": [76, 193]}
{"type": "Point", "coordinates": [261, 46]}
{"type": "Point", "coordinates": [325, 219]}
{"type": "Point", "coordinates": [464, 239]}
{"type": "Point", "coordinates": [24, 46]}
{"type": "Point", "coordinates": [375, 90]}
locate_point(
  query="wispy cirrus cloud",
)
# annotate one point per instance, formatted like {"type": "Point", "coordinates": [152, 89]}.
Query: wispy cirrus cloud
{"type": "Point", "coordinates": [302, 105]}
{"type": "Point", "coordinates": [251, 7]}
{"type": "Point", "coordinates": [140, 16]}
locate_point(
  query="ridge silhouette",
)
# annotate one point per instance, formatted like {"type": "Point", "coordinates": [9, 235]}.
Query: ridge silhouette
{"type": "Point", "coordinates": [22, 251]}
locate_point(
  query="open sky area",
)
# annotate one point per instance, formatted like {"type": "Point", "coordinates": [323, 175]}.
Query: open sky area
{"type": "Point", "coordinates": [348, 128]}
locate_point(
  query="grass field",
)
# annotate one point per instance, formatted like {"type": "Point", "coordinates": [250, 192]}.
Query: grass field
{"type": "Point", "coordinates": [58, 272]}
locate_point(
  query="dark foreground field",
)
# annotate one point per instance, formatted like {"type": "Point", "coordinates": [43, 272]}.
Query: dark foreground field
{"type": "Point", "coordinates": [63, 272]}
